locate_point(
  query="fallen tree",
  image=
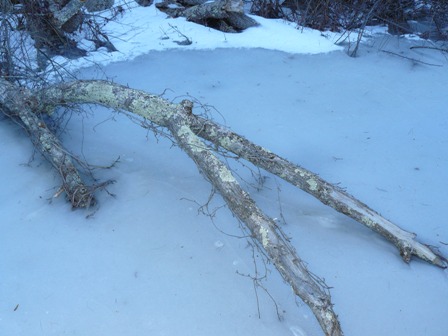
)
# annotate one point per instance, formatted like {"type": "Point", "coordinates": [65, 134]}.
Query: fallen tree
{"type": "Point", "coordinates": [189, 131]}
{"type": "Point", "coordinates": [225, 15]}
{"type": "Point", "coordinates": [56, 26]}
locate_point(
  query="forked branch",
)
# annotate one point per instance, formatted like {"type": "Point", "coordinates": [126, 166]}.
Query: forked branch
{"type": "Point", "coordinates": [324, 191]}
{"type": "Point", "coordinates": [176, 118]}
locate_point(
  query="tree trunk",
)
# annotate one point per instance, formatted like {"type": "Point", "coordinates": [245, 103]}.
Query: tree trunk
{"type": "Point", "coordinates": [186, 129]}
{"type": "Point", "coordinates": [224, 15]}
{"type": "Point", "coordinates": [63, 11]}
{"type": "Point", "coordinates": [51, 22]}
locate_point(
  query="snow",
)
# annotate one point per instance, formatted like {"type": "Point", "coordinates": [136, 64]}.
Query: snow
{"type": "Point", "coordinates": [149, 29]}
{"type": "Point", "coordinates": [147, 263]}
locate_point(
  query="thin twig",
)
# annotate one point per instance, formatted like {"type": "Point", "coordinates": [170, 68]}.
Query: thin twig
{"type": "Point", "coordinates": [432, 48]}
{"type": "Point", "coordinates": [411, 59]}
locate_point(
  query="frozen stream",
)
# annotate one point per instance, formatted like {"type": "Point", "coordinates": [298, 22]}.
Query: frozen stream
{"type": "Point", "coordinates": [147, 264]}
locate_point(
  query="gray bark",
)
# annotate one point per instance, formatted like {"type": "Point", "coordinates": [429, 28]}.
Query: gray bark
{"type": "Point", "coordinates": [240, 21]}
{"type": "Point", "coordinates": [98, 5]}
{"type": "Point", "coordinates": [214, 10]}
{"type": "Point", "coordinates": [62, 14]}
{"type": "Point", "coordinates": [21, 104]}
{"type": "Point", "coordinates": [263, 228]}
{"type": "Point", "coordinates": [144, 3]}
{"type": "Point", "coordinates": [325, 192]}
{"type": "Point", "coordinates": [228, 14]}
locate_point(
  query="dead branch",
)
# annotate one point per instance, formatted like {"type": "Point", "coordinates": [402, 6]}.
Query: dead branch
{"type": "Point", "coordinates": [326, 192]}
{"type": "Point", "coordinates": [176, 118]}
{"type": "Point", "coordinates": [411, 59]}
{"type": "Point", "coordinates": [186, 128]}
{"type": "Point", "coordinates": [20, 103]}
{"type": "Point", "coordinates": [224, 15]}
{"type": "Point", "coordinates": [156, 109]}
{"type": "Point", "coordinates": [263, 228]}
{"type": "Point", "coordinates": [431, 48]}
{"type": "Point", "coordinates": [62, 15]}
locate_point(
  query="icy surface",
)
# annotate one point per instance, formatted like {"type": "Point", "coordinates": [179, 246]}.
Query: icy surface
{"type": "Point", "coordinates": [146, 263]}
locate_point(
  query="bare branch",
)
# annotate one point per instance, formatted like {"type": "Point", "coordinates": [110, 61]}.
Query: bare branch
{"type": "Point", "coordinates": [327, 193]}
{"type": "Point", "coordinates": [21, 103]}
{"type": "Point", "coordinates": [159, 111]}
{"type": "Point", "coordinates": [176, 118]}
{"type": "Point", "coordinates": [186, 128]}
{"type": "Point", "coordinates": [62, 15]}
{"type": "Point", "coordinates": [263, 228]}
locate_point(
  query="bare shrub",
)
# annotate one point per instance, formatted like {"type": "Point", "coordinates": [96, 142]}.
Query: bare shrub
{"type": "Point", "coordinates": [343, 15]}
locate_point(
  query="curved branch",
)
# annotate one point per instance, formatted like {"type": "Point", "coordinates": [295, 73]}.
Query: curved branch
{"type": "Point", "coordinates": [187, 128]}
{"type": "Point", "coordinates": [158, 110]}
{"type": "Point", "coordinates": [325, 192]}
{"type": "Point", "coordinates": [20, 103]}
{"type": "Point", "coordinates": [263, 228]}
{"type": "Point", "coordinates": [111, 95]}
{"type": "Point", "coordinates": [175, 118]}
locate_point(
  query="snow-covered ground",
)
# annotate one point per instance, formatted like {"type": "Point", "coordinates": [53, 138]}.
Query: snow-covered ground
{"type": "Point", "coordinates": [146, 263]}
